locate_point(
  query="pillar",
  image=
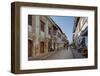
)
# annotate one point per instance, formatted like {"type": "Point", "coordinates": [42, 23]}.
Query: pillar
{"type": "Point", "coordinates": [33, 33]}
{"type": "Point", "coordinates": [46, 37]}
{"type": "Point", "coordinates": [36, 40]}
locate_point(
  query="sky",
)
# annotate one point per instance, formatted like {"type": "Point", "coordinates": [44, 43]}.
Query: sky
{"type": "Point", "coordinates": [66, 24]}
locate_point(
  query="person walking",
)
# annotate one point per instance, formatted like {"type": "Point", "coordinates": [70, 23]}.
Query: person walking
{"type": "Point", "coordinates": [67, 44]}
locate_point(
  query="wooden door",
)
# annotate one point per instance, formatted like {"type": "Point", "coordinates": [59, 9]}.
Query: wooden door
{"type": "Point", "coordinates": [30, 44]}
{"type": "Point", "coordinates": [49, 45]}
{"type": "Point", "coordinates": [41, 47]}
{"type": "Point", "coordinates": [54, 46]}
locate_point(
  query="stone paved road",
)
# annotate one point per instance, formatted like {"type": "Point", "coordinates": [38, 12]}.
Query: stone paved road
{"type": "Point", "coordinates": [62, 54]}
{"type": "Point", "coordinates": [76, 54]}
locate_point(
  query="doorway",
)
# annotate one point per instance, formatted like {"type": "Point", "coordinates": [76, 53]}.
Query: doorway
{"type": "Point", "coordinates": [30, 44]}
{"type": "Point", "coordinates": [42, 47]}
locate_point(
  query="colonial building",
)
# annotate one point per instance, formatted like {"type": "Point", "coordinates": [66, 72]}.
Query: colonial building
{"type": "Point", "coordinates": [44, 36]}
{"type": "Point", "coordinates": [80, 34]}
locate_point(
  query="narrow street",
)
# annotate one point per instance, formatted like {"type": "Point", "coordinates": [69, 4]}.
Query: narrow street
{"type": "Point", "coordinates": [62, 54]}
{"type": "Point", "coordinates": [65, 54]}
{"type": "Point", "coordinates": [50, 39]}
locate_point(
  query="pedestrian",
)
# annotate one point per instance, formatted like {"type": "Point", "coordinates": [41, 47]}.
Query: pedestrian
{"type": "Point", "coordinates": [67, 45]}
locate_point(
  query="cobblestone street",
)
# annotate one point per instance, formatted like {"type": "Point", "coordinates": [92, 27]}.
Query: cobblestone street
{"type": "Point", "coordinates": [65, 54]}
{"type": "Point", "coordinates": [62, 54]}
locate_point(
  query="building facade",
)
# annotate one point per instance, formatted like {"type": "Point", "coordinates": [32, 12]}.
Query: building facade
{"type": "Point", "coordinates": [44, 36]}
{"type": "Point", "coordinates": [80, 34]}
